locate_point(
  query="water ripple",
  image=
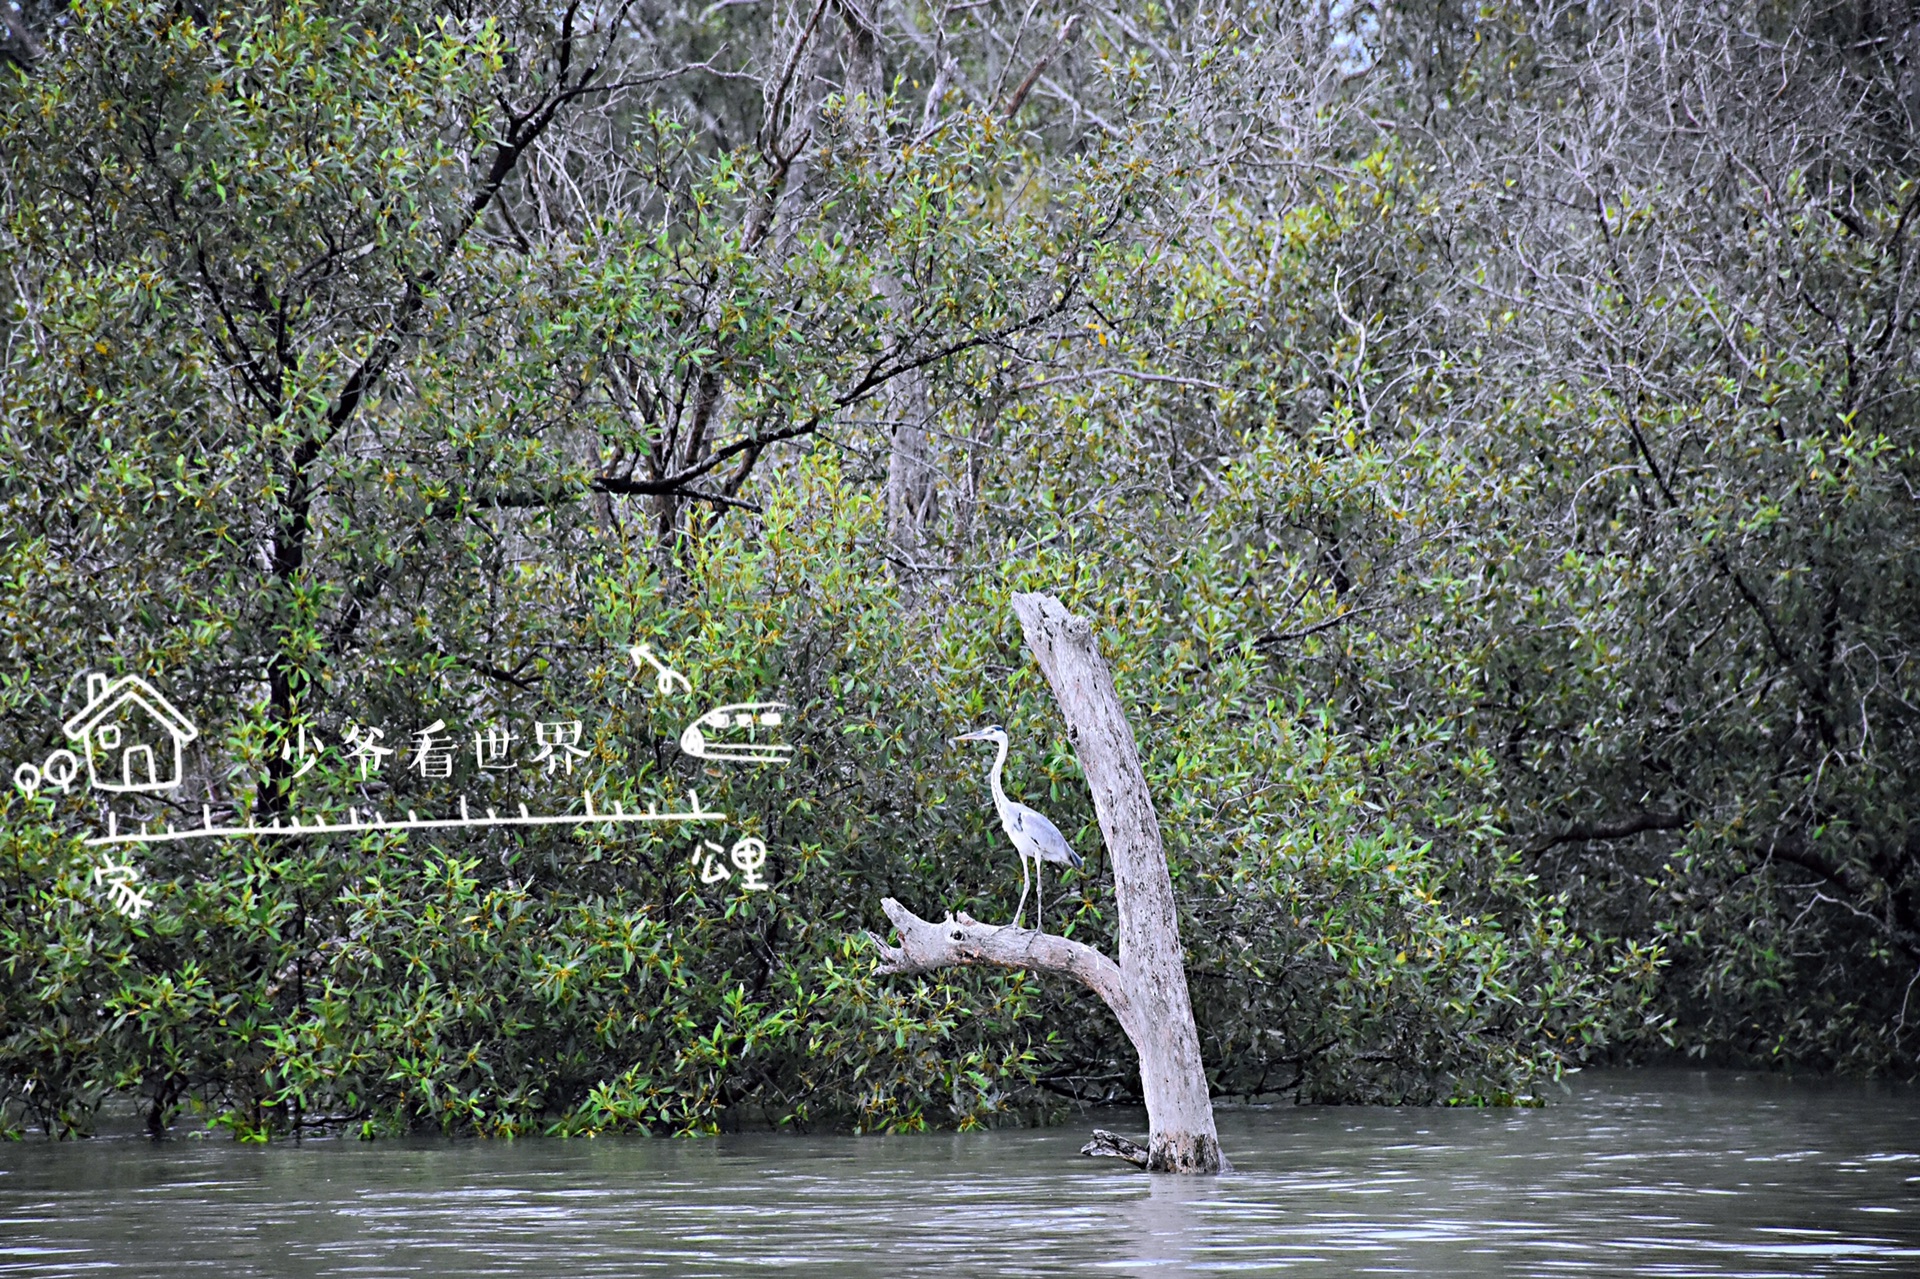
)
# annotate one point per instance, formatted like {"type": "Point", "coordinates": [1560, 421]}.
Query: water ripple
{"type": "Point", "coordinates": [1640, 1174]}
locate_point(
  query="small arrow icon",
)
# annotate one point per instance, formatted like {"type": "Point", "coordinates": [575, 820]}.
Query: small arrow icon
{"type": "Point", "coordinates": [667, 676]}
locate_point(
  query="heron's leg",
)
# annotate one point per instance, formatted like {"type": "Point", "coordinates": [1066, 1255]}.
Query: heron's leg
{"type": "Point", "coordinates": [1025, 884]}
{"type": "Point", "coordinates": [1039, 899]}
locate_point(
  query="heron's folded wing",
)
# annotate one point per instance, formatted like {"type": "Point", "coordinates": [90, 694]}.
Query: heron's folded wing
{"type": "Point", "coordinates": [1052, 845]}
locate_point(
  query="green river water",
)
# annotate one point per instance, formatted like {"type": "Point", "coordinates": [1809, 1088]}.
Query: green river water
{"type": "Point", "coordinates": [1657, 1173]}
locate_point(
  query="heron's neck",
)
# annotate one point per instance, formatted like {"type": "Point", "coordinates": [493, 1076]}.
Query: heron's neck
{"type": "Point", "coordinates": [999, 762]}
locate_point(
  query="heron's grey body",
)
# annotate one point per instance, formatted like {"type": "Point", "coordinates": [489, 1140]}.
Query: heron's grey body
{"type": "Point", "coordinates": [1032, 834]}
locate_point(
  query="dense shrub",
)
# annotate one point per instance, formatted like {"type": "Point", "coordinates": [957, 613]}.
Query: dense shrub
{"type": "Point", "coordinates": [1502, 547]}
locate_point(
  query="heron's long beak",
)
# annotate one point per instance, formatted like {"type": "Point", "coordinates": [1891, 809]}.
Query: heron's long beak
{"type": "Point", "coordinates": [966, 737]}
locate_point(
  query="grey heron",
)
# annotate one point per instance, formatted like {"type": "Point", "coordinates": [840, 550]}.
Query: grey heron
{"type": "Point", "coordinates": [1032, 834]}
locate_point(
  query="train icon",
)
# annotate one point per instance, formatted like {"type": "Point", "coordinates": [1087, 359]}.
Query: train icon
{"type": "Point", "coordinates": [743, 721]}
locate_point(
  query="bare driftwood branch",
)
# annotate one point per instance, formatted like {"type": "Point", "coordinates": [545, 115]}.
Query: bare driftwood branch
{"type": "Point", "coordinates": [960, 941]}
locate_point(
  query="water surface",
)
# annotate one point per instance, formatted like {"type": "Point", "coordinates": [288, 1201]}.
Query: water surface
{"type": "Point", "coordinates": [1657, 1173]}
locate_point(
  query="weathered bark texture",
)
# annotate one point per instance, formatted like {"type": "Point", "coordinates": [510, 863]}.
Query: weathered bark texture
{"type": "Point", "coordinates": [1147, 988]}
{"type": "Point", "coordinates": [960, 941]}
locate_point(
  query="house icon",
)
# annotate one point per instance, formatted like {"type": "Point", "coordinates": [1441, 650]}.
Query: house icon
{"type": "Point", "coordinates": [130, 735]}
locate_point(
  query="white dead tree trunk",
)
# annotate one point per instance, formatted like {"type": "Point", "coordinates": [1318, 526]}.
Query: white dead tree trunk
{"type": "Point", "coordinates": [1147, 988]}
